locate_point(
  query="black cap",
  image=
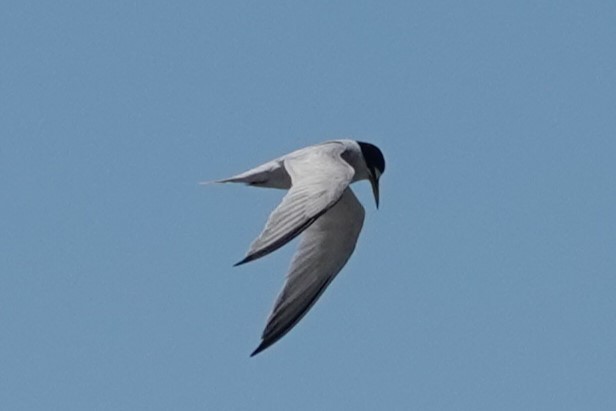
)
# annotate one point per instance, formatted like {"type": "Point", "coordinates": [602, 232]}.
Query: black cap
{"type": "Point", "coordinates": [373, 157]}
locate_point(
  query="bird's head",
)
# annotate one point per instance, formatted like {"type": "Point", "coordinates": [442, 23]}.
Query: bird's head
{"type": "Point", "coordinates": [375, 163]}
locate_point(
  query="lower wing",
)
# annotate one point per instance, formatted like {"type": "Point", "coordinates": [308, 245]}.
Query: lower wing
{"type": "Point", "coordinates": [324, 249]}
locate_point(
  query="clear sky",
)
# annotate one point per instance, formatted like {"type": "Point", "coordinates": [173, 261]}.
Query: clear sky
{"type": "Point", "coordinates": [486, 280]}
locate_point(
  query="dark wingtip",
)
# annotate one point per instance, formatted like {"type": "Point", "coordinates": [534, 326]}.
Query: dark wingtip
{"type": "Point", "coordinates": [260, 348]}
{"type": "Point", "coordinates": [247, 259]}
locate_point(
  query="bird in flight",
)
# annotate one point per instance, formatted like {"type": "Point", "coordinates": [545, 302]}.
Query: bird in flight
{"type": "Point", "coordinates": [321, 206]}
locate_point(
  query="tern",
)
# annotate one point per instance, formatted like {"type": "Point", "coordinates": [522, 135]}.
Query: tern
{"type": "Point", "coordinates": [321, 206]}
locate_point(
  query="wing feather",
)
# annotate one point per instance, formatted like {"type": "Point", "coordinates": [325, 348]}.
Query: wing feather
{"type": "Point", "coordinates": [319, 176]}
{"type": "Point", "coordinates": [324, 249]}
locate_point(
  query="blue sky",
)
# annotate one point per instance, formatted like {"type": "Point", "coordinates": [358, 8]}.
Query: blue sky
{"type": "Point", "coordinates": [485, 281]}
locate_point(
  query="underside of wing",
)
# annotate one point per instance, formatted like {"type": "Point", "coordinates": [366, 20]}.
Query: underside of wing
{"type": "Point", "coordinates": [319, 176]}
{"type": "Point", "coordinates": [324, 249]}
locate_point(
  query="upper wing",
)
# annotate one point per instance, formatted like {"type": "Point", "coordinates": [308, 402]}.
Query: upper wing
{"type": "Point", "coordinates": [319, 175]}
{"type": "Point", "coordinates": [271, 174]}
{"type": "Point", "coordinates": [324, 249]}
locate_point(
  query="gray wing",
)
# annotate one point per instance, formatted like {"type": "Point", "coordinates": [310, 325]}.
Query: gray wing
{"type": "Point", "coordinates": [319, 176]}
{"type": "Point", "coordinates": [271, 174]}
{"type": "Point", "coordinates": [324, 249]}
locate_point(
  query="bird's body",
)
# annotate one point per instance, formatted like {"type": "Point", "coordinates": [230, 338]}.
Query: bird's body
{"type": "Point", "coordinates": [274, 174]}
{"type": "Point", "coordinates": [319, 204]}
